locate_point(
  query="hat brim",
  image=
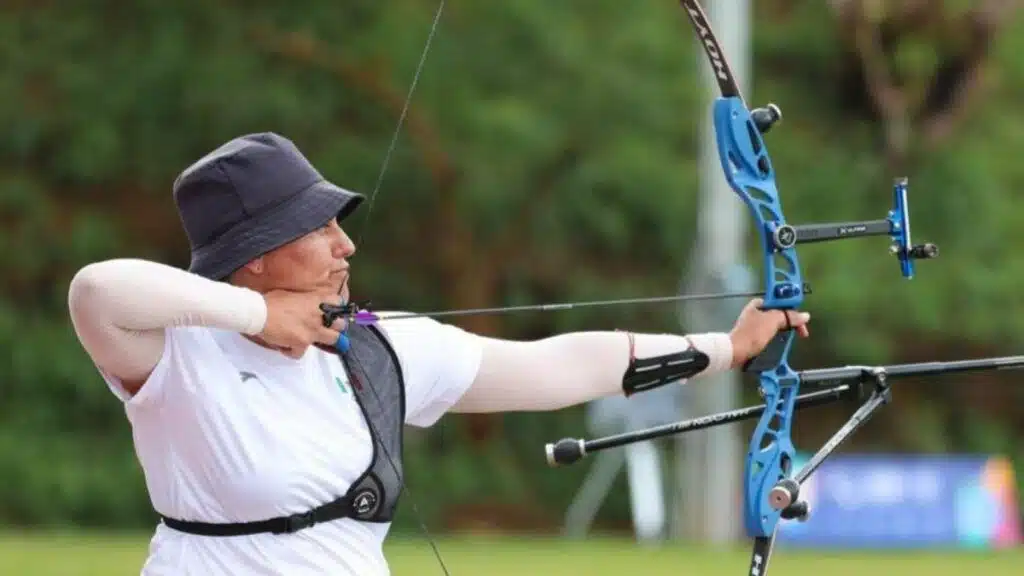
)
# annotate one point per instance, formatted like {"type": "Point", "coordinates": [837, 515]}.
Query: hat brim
{"type": "Point", "coordinates": [301, 214]}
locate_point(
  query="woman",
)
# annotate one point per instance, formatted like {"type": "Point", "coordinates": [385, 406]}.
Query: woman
{"type": "Point", "coordinates": [265, 452]}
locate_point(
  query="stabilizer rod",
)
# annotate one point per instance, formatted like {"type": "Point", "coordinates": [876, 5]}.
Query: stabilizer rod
{"type": "Point", "coordinates": [571, 450]}
{"type": "Point", "coordinates": [864, 373]}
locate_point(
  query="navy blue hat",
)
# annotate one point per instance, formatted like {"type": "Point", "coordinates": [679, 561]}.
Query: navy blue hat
{"type": "Point", "coordinates": [249, 196]}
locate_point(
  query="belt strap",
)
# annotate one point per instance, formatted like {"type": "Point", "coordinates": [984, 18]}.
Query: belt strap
{"type": "Point", "coordinates": [340, 508]}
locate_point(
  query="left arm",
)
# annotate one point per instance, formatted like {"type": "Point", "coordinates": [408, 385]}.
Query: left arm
{"type": "Point", "coordinates": [574, 368]}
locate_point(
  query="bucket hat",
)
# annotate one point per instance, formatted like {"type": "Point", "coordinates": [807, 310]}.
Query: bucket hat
{"type": "Point", "coordinates": [249, 196]}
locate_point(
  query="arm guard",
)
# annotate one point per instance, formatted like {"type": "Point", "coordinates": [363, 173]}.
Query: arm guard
{"type": "Point", "coordinates": [650, 373]}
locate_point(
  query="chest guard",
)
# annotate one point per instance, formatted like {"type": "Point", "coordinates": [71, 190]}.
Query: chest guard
{"type": "Point", "coordinates": [375, 377]}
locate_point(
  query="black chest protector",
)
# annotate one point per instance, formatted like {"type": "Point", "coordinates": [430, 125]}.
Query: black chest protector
{"type": "Point", "coordinates": [376, 380]}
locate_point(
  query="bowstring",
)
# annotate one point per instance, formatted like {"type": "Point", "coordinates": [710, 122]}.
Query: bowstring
{"type": "Point", "coordinates": [364, 382]}
{"type": "Point", "coordinates": [359, 238]}
{"type": "Point", "coordinates": [401, 122]}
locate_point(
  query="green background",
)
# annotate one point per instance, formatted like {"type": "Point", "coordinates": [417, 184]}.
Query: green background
{"type": "Point", "coordinates": [550, 154]}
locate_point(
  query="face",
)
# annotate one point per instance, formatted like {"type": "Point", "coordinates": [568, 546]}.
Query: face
{"type": "Point", "coordinates": [316, 261]}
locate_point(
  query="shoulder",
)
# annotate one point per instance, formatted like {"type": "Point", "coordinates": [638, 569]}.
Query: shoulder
{"type": "Point", "coordinates": [420, 333]}
{"type": "Point", "coordinates": [431, 350]}
{"type": "Point", "coordinates": [439, 361]}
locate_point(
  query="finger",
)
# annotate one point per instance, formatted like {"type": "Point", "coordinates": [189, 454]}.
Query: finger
{"type": "Point", "coordinates": [755, 304]}
{"type": "Point", "coordinates": [328, 309]}
{"type": "Point", "coordinates": [790, 319]}
{"type": "Point", "coordinates": [803, 331]}
{"type": "Point", "coordinates": [799, 318]}
{"type": "Point", "coordinates": [328, 302]}
{"type": "Point", "coordinates": [336, 321]}
{"type": "Point", "coordinates": [339, 324]}
{"type": "Point", "coordinates": [784, 321]}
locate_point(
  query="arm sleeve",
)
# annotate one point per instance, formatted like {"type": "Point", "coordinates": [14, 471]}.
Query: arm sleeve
{"type": "Point", "coordinates": [574, 368]}
{"type": "Point", "coordinates": [439, 363]}
{"type": "Point", "coordinates": [121, 310]}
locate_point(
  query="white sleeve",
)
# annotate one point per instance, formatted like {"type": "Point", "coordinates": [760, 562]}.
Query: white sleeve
{"type": "Point", "coordinates": [439, 363]}
{"type": "Point", "coordinates": [576, 367]}
{"type": "Point", "coordinates": [121, 310]}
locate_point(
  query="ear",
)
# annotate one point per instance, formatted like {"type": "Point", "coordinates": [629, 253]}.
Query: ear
{"type": "Point", "coordinates": [254, 266]}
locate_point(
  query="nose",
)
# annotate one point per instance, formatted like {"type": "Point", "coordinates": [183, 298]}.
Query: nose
{"type": "Point", "coordinates": [342, 247]}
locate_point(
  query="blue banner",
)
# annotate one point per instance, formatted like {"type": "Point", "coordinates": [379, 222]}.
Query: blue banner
{"type": "Point", "coordinates": [873, 501]}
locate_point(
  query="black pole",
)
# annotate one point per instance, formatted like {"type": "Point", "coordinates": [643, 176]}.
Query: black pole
{"type": "Point", "coordinates": [859, 418]}
{"type": "Point", "coordinates": [785, 494]}
{"type": "Point", "coordinates": [865, 373]}
{"type": "Point", "coordinates": [571, 450]}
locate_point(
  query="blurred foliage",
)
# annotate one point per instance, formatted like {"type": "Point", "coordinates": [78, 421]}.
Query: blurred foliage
{"type": "Point", "coordinates": [550, 154]}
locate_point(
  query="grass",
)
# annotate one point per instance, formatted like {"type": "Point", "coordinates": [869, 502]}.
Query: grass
{"type": "Point", "coordinates": [95, 554]}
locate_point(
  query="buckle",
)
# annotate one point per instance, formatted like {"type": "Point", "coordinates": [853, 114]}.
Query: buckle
{"type": "Point", "coordinates": [297, 522]}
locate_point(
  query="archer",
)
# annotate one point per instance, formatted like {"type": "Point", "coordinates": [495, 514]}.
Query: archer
{"type": "Point", "coordinates": [265, 448]}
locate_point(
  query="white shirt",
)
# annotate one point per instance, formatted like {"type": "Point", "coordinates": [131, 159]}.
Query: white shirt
{"type": "Point", "coordinates": [228, 431]}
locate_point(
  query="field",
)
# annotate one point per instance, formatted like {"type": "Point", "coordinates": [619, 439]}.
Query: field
{"type": "Point", "coordinates": [110, 555]}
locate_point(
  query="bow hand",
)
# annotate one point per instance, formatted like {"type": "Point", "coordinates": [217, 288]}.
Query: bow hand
{"type": "Point", "coordinates": [757, 331]}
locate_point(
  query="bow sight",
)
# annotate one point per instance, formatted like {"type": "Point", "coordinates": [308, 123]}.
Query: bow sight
{"type": "Point", "coordinates": [896, 225]}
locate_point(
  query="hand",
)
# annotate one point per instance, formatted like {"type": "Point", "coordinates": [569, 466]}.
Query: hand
{"type": "Point", "coordinates": [755, 328]}
{"type": "Point", "coordinates": [295, 322]}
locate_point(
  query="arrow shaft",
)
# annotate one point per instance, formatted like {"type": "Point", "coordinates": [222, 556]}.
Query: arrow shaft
{"type": "Point", "coordinates": [572, 305]}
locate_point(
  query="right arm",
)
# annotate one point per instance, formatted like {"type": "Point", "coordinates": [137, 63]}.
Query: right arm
{"type": "Point", "coordinates": [121, 308]}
